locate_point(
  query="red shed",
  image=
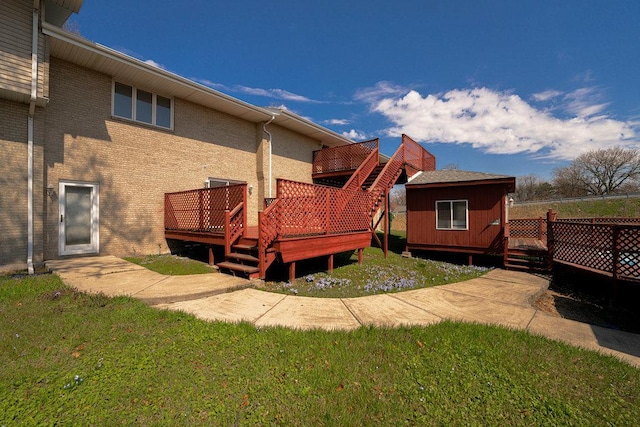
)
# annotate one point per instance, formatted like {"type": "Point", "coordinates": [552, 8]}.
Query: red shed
{"type": "Point", "coordinates": [457, 211]}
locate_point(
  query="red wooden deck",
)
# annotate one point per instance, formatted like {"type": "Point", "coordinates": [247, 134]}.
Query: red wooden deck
{"type": "Point", "coordinates": [304, 220]}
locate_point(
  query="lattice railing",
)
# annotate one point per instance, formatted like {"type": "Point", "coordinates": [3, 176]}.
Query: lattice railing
{"type": "Point", "coordinates": [342, 158]}
{"type": "Point", "coordinates": [203, 210]}
{"type": "Point", "coordinates": [609, 248]}
{"type": "Point", "coordinates": [308, 209]}
{"type": "Point", "coordinates": [528, 228]}
{"type": "Point", "coordinates": [602, 220]}
{"type": "Point", "coordinates": [416, 158]}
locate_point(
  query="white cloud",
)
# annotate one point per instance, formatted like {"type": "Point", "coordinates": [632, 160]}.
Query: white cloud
{"type": "Point", "coordinates": [355, 135]}
{"type": "Point", "coordinates": [502, 122]}
{"type": "Point", "coordinates": [154, 64]}
{"type": "Point", "coordinates": [380, 90]}
{"type": "Point", "coordinates": [337, 122]}
{"type": "Point", "coordinates": [546, 95]}
{"type": "Point", "coordinates": [268, 93]}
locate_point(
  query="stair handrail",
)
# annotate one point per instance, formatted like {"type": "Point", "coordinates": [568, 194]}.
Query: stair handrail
{"type": "Point", "coordinates": [363, 171]}
{"type": "Point", "coordinates": [234, 221]}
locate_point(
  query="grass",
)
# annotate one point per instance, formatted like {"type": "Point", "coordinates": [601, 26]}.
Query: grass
{"type": "Point", "coordinates": [172, 265]}
{"type": "Point", "coordinates": [587, 209]}
{"type": "Point", "coordinates": [69, 358]}
{"type": "Point", "coordinates": [376, 275]}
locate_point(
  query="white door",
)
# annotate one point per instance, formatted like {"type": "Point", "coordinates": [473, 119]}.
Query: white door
{"type": "Point", "coordinates": [78, 223]}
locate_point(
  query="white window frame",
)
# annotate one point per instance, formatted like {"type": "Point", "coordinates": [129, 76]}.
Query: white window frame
{"type": "Point", "coordinates": [451, 227]}
{"type": "Point", "coordinates": [134, 97]}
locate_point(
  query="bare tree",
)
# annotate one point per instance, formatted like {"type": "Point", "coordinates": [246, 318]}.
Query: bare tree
{"type": "Point", "coordinates": [598, 172]}
{"type": "Point", "coordinates": [450, 167]}
{"type": "Point", "coordinates": [532, 187]}
{"type": "Point", "coordinates": [397, 197]}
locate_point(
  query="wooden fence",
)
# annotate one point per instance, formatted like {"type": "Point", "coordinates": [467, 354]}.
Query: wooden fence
{"type": "Point", "coordinates": [609, 246]}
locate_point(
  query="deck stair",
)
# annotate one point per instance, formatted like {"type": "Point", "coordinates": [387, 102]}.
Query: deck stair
{"type": "Point", "coordinates": [372, 177]}
{"type": "Point", "coordinates": [242, 259]}
{"type": "Point", "coordinates": [533, 260]}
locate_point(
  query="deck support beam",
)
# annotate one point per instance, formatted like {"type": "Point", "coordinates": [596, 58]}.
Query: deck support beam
{"type": "Point", "coordinates": [360, 256]}
{"type": "Point", "coordinates": [330, 266]}
{"type": "Point", "coordinates": [212, 261]}
{"type": "Point", "coordinates": [292, 272]}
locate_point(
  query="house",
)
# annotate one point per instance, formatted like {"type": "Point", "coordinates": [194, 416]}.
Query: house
{"type": "Point", "coordinates": [105, 154]}
{"type": "Point", "coordinates": [92, 139]}
{"type": "Point", "coordinates": [457, 211]}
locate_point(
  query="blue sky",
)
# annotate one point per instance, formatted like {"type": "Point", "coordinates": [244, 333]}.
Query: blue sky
{"type": "Point", "coordinates": [508, 87]}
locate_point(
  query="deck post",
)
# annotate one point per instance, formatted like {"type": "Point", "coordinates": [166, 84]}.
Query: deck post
{"type": "Point", "coordinates": [227, 232]}
{"type": "Point", "coordinates": [261, 248]}
{"type": "Point", "coordinates": [330, 266]}
{"type": "Point", "coordinates": [211, 259]}
{"type": "Point", "coordinates": [360, 256]}
{"type": "Point", "coordinates": [386, 224]}
{"type": "Point", "coordinates": [470, 260]}
{"type": "Point", "coordinates": [292, 272]}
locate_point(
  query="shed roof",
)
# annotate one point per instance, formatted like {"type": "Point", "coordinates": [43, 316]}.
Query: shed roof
{"type": "Point", "coordinates": [458, 177]}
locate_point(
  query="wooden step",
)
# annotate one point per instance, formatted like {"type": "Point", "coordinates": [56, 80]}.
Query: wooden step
{"type": "Point", "coordinates": [245, 269]}
{"type": "Point", "coordinates": [539, 265]}
{"type": "Point", "coordinates": [242, 257]}
{"type": "Point", "coordinates": [244, 247]}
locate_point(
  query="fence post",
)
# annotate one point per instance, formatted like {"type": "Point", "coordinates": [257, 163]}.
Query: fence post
{"type": "Point", "coordinates": [505, 243]}
{"type": "Point", "coordinates": [540, 228]}
{"type": "Point", "coordinates": [616, 260]}
{"type": "Point", "coordinates": [551, 217]}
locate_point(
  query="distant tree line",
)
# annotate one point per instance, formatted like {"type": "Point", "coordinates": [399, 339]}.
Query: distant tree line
{"type": "Point", "coordinates": [595, 173]}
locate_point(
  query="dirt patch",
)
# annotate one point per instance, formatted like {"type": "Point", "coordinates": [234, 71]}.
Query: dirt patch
{"type": "Point", "coordinates": [586, 307]}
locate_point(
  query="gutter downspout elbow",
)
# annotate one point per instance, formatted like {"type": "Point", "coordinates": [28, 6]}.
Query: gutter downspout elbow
{"type": "Point", "coordinates": [264, 128]}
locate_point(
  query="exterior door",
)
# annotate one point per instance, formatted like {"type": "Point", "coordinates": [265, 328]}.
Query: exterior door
{"type": "Point", "coordinates": [78, 222]}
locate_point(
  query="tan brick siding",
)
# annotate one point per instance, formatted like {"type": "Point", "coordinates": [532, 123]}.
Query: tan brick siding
{"type": "Point", "coordinates": [136, 164]}
{"type": "Point", "coordinates": [13, 182]}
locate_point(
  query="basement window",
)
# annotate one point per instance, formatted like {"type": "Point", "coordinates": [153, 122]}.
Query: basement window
{"type": "Point", "coordinates": [141, 106]}
{"type": "Point", "coordinates": [452, 215]}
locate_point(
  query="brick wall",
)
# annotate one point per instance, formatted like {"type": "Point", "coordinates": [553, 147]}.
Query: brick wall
{"type": "Point", "coordinates": [136, 164]}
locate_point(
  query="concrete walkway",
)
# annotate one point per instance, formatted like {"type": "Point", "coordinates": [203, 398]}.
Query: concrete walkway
{"type": "Point", "coordinates": [499, 298]}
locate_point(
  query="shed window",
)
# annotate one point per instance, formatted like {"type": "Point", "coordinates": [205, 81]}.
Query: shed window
{"type": "Point", "coordinates": [141, 106]}
{"type": "Point", "coordinates": [452, 215]}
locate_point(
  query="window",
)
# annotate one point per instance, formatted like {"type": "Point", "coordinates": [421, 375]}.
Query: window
{"type": "Point", "coordinates": [142, 106]}
{"type": "Point", "coordinates": [451, 215]}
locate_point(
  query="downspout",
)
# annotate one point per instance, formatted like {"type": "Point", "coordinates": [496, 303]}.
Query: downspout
{"type": "Point", "coordinates": [32, 110]}
{"type": "Point", "coordinates": [264, 128]}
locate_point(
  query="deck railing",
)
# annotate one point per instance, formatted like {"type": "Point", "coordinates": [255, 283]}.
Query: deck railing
{"type": "Point", "coordinates": [528, 228]}
{"type": "Point", "coordinates": [342, 158]}
{"type": "Point", "coordinates": [415, 157]}
{"type": "Point", "coordinates": [212, 210]}
{"type": "Point", "coordinates": [602, 245]}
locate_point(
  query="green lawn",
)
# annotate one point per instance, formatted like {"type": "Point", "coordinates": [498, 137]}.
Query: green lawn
{"type": "Point", "coordinates": [74, 359]}
{"type": "Point", "coordinates": [172, 265]}
{"type": "Point", "coordinates": [587, 209]}
{"type": "Point", "coordinates": [377, 274]}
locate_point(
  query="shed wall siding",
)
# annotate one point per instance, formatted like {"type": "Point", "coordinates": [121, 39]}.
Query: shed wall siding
{"type": "Point", "coordinates": [485, 205]}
